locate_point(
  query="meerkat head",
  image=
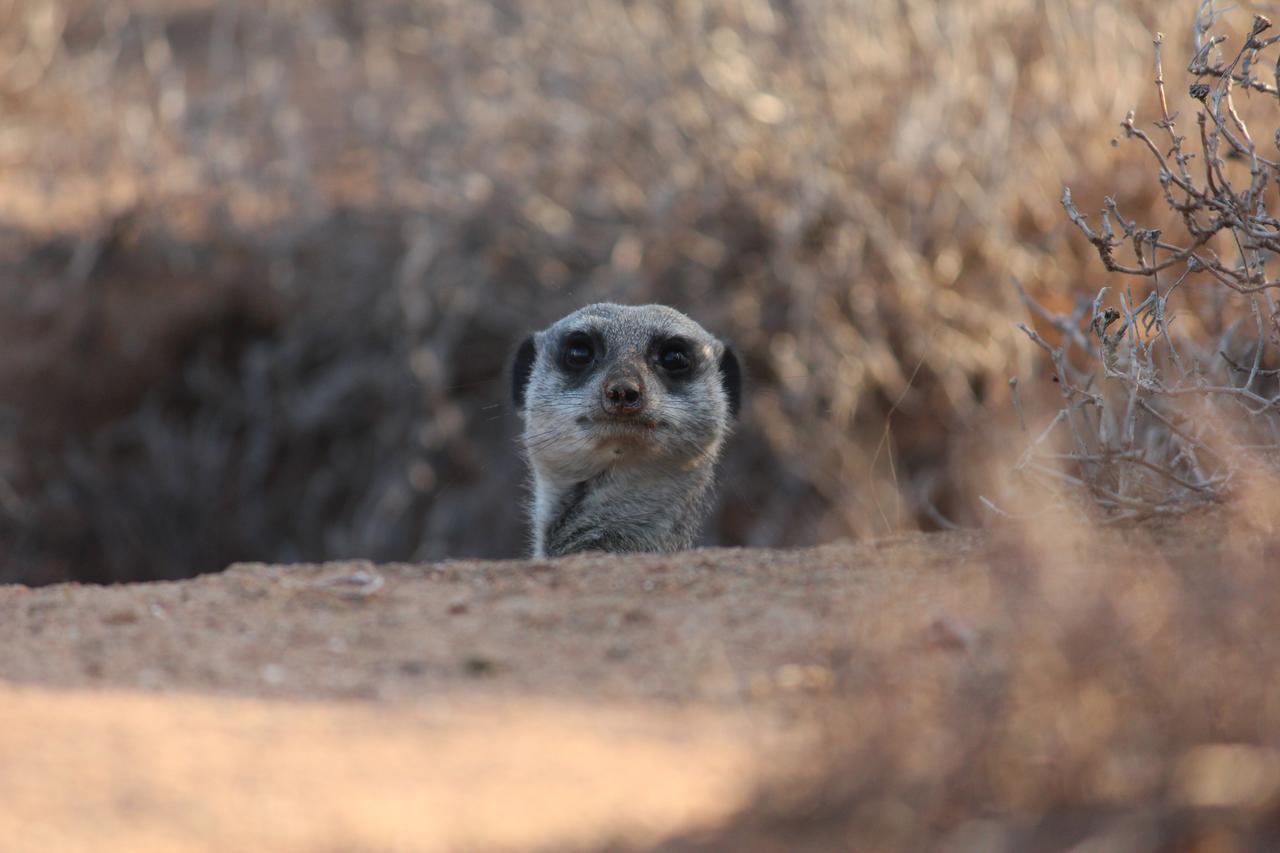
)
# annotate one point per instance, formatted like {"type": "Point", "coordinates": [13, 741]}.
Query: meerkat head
{"type": "Point", "coordinates": [611, 385]}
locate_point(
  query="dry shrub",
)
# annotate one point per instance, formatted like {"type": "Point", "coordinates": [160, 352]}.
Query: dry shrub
{"type": "Point", "coordinates": [1170, 386]}
{"type": "Point", "coordinates": [1114, 692]}
{"type": "Point", "coordinates": [354, 209]}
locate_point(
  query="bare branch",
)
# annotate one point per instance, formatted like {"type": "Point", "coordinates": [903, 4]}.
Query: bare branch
{"type": "Point", "coordinates": [1172, 416]}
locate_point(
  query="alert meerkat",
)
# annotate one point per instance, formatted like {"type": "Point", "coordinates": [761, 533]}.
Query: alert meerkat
{"type": "Point", "coordinates": [625, 410]}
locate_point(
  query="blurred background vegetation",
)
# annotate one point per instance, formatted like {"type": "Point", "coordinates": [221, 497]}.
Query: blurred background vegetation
{"type": "Point", "coordinates": [264, 263]}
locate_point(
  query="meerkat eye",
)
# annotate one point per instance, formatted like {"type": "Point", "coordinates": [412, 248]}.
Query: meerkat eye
{"type": "Point", "coordinates": [578, 352]}
{"type": "Point", "coordinates": [673, 357]}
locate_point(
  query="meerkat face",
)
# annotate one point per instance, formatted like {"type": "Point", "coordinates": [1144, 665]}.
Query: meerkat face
{"type": "Point", "coordinates": [613, 384]}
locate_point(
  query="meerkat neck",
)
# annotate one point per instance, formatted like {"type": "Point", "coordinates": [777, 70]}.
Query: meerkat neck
{"type": "Point", "coordinates": [612, 512]}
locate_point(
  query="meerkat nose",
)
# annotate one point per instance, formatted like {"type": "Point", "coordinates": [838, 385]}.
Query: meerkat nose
{"type": "Point", "coordinates": [623, 395]}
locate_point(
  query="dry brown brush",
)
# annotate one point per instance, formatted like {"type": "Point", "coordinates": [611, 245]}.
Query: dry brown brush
{"type": "Point", "coordinates": [1169, 384]}
{"type": "Point", "coordinates": [263, 263]}
{"type": "Point", "coordinates": [1114, 692]}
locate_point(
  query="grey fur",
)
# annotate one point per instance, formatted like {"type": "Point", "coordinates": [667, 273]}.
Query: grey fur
{"type": "Point", "coordinates": [622, 452]}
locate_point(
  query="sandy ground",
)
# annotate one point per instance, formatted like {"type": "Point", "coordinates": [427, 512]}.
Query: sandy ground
{"type": "Point", "coordinates": [463, 705]}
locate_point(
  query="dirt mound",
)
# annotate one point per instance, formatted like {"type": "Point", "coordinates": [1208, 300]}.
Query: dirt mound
{"type": "Point", "coordinates": [887, 693]}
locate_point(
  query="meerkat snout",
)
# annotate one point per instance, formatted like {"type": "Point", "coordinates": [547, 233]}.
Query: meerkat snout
{"type": "Point", "coordinates": [623, 395]}
{"type": "Point", "coordinates": [625, 411]}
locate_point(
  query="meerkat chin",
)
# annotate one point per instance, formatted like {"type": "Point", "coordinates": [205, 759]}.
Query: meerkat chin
{"type": "Point", "coordinates": [625, 410]}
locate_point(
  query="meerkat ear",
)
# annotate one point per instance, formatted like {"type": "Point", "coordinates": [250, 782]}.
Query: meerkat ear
{"type": "Point", "coordinates": [521, 368]}
{"type": "Point", "coordinates": [731, 379]}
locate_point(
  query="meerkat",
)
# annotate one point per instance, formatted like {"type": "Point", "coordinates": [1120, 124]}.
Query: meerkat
{"type": "Point", "coordinates": [625, 411]}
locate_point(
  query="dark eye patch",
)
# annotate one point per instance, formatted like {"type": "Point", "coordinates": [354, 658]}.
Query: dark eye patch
{"type": "Point", "coordinates": [578, 351]}
{"type": "Point", "coordinates": [675, 357]}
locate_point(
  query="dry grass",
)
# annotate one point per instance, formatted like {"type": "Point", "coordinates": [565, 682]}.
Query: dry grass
{"type": "Point", "coordinates": [266, 262]}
